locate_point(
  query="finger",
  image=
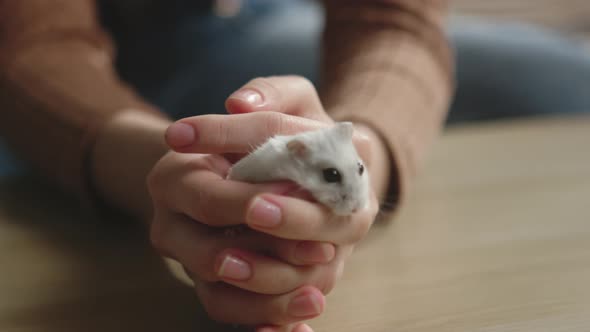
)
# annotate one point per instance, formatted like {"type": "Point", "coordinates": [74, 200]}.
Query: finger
{"type": "Point", "coordinates": [229, 304]}
{"type": "Point", "coordinates": [199, 249]}
{"type": "Point", "coordinates": [267, 328]}
{"type": "Point", "coordinates": [265, 275]}
{"type": "Point", "coordinates": [300, 327]}
{"type": "Point", "coordinates": [195, 185]}
{"type": "Point", "coordinates": [293, 95]}
{"type": "Point", "coordinates": [241, 133]}
{"type": "Point", "coordinates": [298, 253]}
{"type": "Point", "coordinates": [192, 244]}
{"type": "Point", "coordinates": [303, 253]}
{"type": "Point", "coordinates": [211, 199]}
{"type": "Point", "coordinates": [238, 133]}
{"type": "Point", "coordinates": [296, 219]}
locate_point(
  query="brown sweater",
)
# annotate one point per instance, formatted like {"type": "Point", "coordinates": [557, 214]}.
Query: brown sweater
{"type": "Point", "coordinates": [386, 63]}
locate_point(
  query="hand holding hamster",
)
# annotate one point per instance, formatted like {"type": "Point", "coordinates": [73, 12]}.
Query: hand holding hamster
{"type": "Point", "coordinates": [323, 162]}
{"type": "Point", "coordinates": [298, 248]}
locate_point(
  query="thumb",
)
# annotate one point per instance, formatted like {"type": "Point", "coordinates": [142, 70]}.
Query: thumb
{"type": "Point", "coordinates": [294, 95]}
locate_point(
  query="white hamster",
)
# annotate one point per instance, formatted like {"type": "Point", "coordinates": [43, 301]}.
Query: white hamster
{"type": "Point", "coordinates": [323, 162]}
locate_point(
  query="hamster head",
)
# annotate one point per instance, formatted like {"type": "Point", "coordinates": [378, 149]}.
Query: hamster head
{"type": "Point", "coordinates": [331, 169]}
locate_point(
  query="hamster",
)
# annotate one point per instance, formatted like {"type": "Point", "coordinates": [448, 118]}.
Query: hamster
{"type": "Point", "coordinates": [324, 162]}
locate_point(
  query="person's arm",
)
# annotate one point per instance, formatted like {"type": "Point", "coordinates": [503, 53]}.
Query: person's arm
{"type": "Point", "coordinates": [61, 100]}
{"type": "Point", "coordinates": [387, 64]}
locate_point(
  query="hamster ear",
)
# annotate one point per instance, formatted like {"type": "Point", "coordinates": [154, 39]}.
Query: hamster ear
{"type": "Point", "coordinates": [344, 129]}
{"type": "Point", "coordinates": [297, 148]}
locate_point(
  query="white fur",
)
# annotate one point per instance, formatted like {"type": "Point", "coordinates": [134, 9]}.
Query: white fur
{"type": "Point", "coordinates": [325, 148]}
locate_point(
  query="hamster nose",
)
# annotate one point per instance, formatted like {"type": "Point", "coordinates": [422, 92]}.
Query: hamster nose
{"type": "Point", "coordinates": [344, 197]}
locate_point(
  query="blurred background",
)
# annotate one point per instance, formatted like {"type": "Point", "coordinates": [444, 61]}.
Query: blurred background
{"type": "Point", "coordinates": [568, 17]}
{"type": "Point", "coordinates": [571, 17]}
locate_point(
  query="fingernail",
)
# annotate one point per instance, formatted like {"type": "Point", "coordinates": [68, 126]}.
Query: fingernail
{"type": "Point", "coordinates": [234, 268]}
{"type": "Point", "coordinates": [180, 134]}
{"type": "Point", "coordinates": [314, 252]}
{"type": "Point", "coordinates": [263, 214]}
{"type": "Point", "coordinates": [305, 305]}
{"type": "Point", "coordinates": [250, 96]}
{"type": "Point", "coordinates": [266, 329]}
{"type": "Point", "coordinates": [304, 328]}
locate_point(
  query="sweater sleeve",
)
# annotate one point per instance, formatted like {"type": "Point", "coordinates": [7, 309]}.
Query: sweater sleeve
{"type": "Point", "coordinates": [57, 86]}
{"type": "Point", "coordinates": [387, 64]}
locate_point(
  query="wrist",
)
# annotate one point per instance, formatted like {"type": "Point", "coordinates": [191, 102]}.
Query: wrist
{"type": "Point", "coordinates": [126, 149]}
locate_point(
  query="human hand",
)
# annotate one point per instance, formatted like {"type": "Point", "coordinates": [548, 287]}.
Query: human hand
{"type": "Point", "coordinates": [271, 268]}
{"type": "Point", "coordinates": [186, 188]}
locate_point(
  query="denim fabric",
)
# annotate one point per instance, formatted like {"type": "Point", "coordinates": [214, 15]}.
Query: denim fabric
{"type": "Point", "coordinates": [506, 70]}
{"type": "Point", "coordinates": [191, 66]}
{"type": "Point", "coordinates": [502, 69]}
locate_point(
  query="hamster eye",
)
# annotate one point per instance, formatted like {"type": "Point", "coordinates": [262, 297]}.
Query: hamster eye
{"type": "Point", "coordinates": [331, 175]}
{"type": "Point", "coordinates": [361, 168]}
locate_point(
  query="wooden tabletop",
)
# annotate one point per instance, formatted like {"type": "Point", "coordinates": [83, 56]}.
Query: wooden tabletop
{"type": "Point", "coordinates": [496, 237]}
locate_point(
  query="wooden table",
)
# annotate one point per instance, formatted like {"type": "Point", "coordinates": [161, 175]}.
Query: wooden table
{"type": "Point", "coordinates": [495, 238]}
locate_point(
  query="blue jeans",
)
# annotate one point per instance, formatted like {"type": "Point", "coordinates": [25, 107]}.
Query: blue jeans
{"type": "Point", "coordinates": [502, 69]}
{"type": "Point", "coordinates": [190, 65]}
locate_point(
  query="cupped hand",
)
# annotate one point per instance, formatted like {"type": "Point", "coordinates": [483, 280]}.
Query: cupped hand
{"type": "Point", "coordinates": [278, 273]}
{"type": "Point", "coordinates": [193, 206]}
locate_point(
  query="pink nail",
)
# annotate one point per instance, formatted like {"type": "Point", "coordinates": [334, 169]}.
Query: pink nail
{"type": "Point", "coordinates": [250, 96]}
{"type": "Point", "coordinates": [264, 214]}
{"type": "Point", "coordinates": [304, 328]}
{"type": "Point", "coordinates": [180, 135]}
{"type": "Point", "coordinates": [305, 305]}
{"type": "Point", "coordinates": [234, 268]}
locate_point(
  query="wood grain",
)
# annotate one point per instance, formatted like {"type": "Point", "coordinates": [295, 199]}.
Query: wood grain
{"type": "Point", "coordinates": [496, 237]}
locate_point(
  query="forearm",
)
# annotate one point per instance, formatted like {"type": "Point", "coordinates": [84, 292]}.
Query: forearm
{"type": "Point", "coordinates": [125, 151]}
{"type": "Point", "coordinates": [59, 93]}
{"type": "Point", "coordinates": [387, 64]}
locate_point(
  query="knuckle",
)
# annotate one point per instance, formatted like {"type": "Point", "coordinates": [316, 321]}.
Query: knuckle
{"type": "Point", "coordinates": [266, 86]}
{"type": "Point", "coordinates": [213, 308]}
{"type": "Point", "coordinates": [153, 181]}
{"type": "Point", "coordinates": [327, 279]}
{"type": "Point", "coordinates": [215, 305]}
{"type": "Point", "coordinates": [304, 83]}
{"type": "Point", "coordinates": [157, 179]}
{"type": "Point", "coordinates": [305, 88]}
{"type": "Point", "coordinates": [198, 214]}
{"type": "Point", "coordinates": [201, 210]}
{"type": "Point", "coordinates": [199, 270]}
{"type": "Point", "coordinates": [275, 123]}
{"type": "Point", "coordinates": [361, 226]}
{"type": "Point", "coordinates": [221, 135]}
{"type": "Point", "coordinates": [157, 235]}
{"type": "Point", "coordinates": [276, 313]}
{"type": "Point", "coordinates": [195, 200]}
{"type": "Point", "coordinates": [200, 261]}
